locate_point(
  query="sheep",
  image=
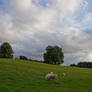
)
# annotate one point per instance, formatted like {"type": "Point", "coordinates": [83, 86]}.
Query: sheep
{"type": "Point", "coordinates": [63, 75]}
{"type": "Point", "coordinates": [51, 76]}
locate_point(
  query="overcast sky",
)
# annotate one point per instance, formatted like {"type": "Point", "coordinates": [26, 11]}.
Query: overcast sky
{"type": "Point", "coordinates": [31, 25]}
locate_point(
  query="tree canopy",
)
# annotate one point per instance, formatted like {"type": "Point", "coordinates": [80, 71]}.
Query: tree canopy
{"type": "Point", "coordinates": [53, 55]}
{"type": "Point", "coordinates": [6, 50]}
{"type": "Point", "coordinates": [23, 58]}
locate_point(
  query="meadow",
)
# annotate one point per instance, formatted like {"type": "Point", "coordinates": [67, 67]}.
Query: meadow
{"type": "Point", "coordinates": [27, 76]}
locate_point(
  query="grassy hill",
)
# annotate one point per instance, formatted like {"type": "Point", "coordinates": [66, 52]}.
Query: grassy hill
{"type": "Point", "coordinates": [24, 76]}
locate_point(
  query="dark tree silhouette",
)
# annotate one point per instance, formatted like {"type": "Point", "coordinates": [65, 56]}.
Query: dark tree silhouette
{"type": "Point", "coordinates": [53, 55]}
{"type": "Point", "coordinates": [83, 65]}
{"type": "Point", "coordinates": [6, 50]}
{"type": "Point", "coordinates": [23, 58]}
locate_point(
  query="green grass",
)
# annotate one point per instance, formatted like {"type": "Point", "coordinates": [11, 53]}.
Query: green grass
{"type": "Point", "coordinates": [24, 76]}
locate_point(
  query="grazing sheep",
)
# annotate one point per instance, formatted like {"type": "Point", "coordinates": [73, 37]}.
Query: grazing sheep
{"type": "Point", "coordinates": [51, 76]}
{"type": "Point", "coordinates": [63, 75]}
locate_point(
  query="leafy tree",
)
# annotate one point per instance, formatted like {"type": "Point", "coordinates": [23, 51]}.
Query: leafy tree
{"type": "Point", "coordinates": [73, 65]}
{"type": "Point", "coordinates": [6, 50]}
{"type": "Point", "coordinates": [85, 64]}
{"type": "Point", "coordinates": [23, 57]}
{"type": "Point", "coordinates": [53, 55]}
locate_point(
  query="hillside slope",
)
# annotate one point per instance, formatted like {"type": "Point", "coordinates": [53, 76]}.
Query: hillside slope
{"type": "Point", "coordinates": [24, 76]}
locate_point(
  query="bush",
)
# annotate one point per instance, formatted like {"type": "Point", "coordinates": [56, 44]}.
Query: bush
{"type": "Point", "coordinates": [23, 58]}
{"type": "Point", "coordinates": [6, 50]}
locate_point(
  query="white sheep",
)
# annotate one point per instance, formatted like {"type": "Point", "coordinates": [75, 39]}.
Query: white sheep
{"type": "Point", "coordinates": [63, 75]}
{"type": "Point", "coordinates": [50, 76]}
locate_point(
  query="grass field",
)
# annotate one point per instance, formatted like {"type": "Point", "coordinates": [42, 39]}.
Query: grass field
{"type": "Point", "coordinates": [24, 76]}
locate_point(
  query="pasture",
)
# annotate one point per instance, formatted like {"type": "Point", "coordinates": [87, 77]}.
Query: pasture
{"type": "Point", "coordinates": [27, 76]}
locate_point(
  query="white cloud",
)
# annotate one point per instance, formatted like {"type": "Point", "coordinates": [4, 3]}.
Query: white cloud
{"type": "Point", "coordinates": [21, 5]}
{"type": "Point", "coordinates": [68, 7]}
{"type": "Point", "coordinates": [88, 17]}
{"type": "Point", "coordinates": [31, 26]}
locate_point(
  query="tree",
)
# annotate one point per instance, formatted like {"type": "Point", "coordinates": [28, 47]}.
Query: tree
{"type": "Point", "coordinates": [23, 58]}
{"type": "Point", "coordinates": [53, 55]}
{"type": "Point", "coordinates": [85, 64]}
{"type": "Point", "coordinates": [73, 65]}
{"type": "Point", "coordinates": [6, 50]}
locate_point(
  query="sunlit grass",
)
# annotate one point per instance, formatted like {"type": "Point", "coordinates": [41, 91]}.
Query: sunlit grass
{"type": "Point", "coordinates": [27, 76]}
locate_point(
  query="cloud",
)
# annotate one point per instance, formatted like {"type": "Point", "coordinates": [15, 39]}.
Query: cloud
{"type": "Point", "coordinates": [31, 25]}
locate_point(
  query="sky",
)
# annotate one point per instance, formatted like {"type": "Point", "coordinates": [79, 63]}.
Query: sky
{"type": "Point", "coordinates": [31, 25]}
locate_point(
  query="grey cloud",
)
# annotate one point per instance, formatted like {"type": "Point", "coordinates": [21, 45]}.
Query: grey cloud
{"type": "Point", "coordinates": [30, 28]}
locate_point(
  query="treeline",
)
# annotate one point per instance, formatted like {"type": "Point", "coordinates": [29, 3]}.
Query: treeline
{"type": "Point", "coordinates": [83, 65]}
{"type": "Point", "coordinates": [52, 55]}
{"type": "Point", "coordinates": [25, 58]}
